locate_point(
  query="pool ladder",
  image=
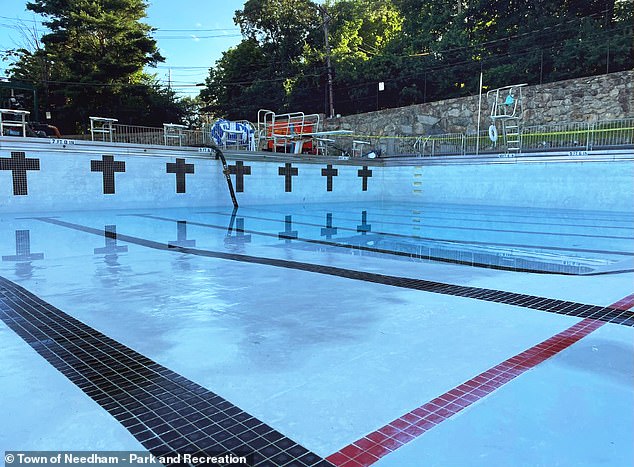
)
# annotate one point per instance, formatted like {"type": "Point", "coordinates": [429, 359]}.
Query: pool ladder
{"type": "Point", "coordinates": [512, 135]}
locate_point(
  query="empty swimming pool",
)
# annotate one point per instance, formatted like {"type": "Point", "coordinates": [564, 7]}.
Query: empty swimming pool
{"type": "Point", "coordinates": [340, 334]}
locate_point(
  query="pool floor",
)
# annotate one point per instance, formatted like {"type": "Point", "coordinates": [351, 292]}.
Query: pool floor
{"type": "Point", "coordinates": [343, 334]}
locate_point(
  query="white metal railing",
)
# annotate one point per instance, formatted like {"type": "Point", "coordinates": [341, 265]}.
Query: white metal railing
{"type": "Point", "coordinates": [133, 134]}
{"type": "Point", "coordinates": [560, 136]}
{"type": "Point", "coordinates": [574, 136]}
{"type": "Point", "coordinates": [102, 127]}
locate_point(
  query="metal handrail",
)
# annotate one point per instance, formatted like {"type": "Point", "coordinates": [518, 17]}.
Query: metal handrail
{"type": "Point", "coordinates": [571, 136]}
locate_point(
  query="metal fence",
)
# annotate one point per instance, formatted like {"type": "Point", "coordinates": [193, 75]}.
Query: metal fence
{"type": "Point", "coordinates": [157, 136]}
{"type": "Point", "coordinates": [563, 136]}
{"type": "Point", "coordinates": [559, 136]}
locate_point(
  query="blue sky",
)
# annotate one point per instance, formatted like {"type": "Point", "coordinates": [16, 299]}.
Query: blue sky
{"type": "Point", "coordinates": [186, 36]}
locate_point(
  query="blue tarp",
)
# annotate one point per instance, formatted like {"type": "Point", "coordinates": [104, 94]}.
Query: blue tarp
{"type": "Point", "coordinates": [227, 133]}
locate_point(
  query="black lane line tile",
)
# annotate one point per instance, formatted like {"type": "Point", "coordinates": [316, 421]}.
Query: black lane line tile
{"type": "Point", "coordinates": [508, 298]}
{"type": "Point", "coordinates": [163, 410]}
{"type": "Point", "coordinates": [467, 215]}
{"type": "Point", "coordinates": [288, 234]}
{"type": "Point", "coordinates": [414, 237]}
{"type": "Point", "coordinates": [562, 234]}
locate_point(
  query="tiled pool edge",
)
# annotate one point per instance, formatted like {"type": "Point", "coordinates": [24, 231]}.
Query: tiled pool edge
{"type": "Point", "coordinates": [148, 175]}
{"type": "Point", "coordinates": [370, 448]}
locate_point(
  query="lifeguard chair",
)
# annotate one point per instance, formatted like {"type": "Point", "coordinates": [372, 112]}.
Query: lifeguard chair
{"type": "Point", "coordinates": [507, 108]}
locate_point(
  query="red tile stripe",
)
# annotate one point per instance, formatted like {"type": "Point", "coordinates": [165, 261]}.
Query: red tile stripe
{"type": "Point", "coordinates": [369, 449]}
{"type": "Point", "coordinates": [625, 303]}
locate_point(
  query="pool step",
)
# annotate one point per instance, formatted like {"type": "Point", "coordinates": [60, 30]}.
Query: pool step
{"type": "Point", "coordinates": [417, 180]}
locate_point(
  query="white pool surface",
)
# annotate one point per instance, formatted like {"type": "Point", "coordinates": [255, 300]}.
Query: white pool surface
{"type": "Point", "coordinates": [326, 359]}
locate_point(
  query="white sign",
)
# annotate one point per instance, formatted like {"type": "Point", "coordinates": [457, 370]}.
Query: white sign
{"type": "Point", "coordinates": [381, 86]}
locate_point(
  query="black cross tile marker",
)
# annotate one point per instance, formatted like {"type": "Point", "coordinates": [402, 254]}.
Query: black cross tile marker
{"type": "Point", "coordinates": [23, 248]}
{"type": "Point", "coordinates": [181, 236]}
{"type": "Point", "coordinates": [329, 230]}
{"type": "Point", "coordinates": [239, 237]}
{"type": "Point", "coordinates": [108, 166]}
{"type": "Point", "coordinates": [288, 234]}
{"type": "Point", "coordinates": [365, 173]}
{"type": "Point", "coordinates": [330, 173]}
{"type": "Point", "coordinates": [239, 170]}
{"type": "Point", "coordinates": [289, 172]}
{"type": "Point", "coordinates": [364, 228]}
{"type": "Point", "coordinates": [18, 164]}
{"type": "Point", "coordinates": [180, 168]}
{"type": "Point", "coordinates": [111, 248]}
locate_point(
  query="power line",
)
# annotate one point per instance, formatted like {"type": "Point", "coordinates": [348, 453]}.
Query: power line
{"type": "Point", "coordinates": [195, 37]}
{"type": "Point", "coordinates": [198, 30]}
{"type": "Point", "coordinates": [184, 67]}
{"type": "Point", "coordinates": [19, 20]}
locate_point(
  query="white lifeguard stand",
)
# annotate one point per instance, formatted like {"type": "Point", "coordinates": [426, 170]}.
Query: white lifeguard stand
{"type": "Point", "coordinates": [357, 147]}
{"type": "Point", "coordinates": [13, 122]}
{"type": "Point", "coordinates": [102, 126]}
{"type": "Point", "coordinates": [173, 131]}
{"type": "Point", "coordinates": [507, 109]}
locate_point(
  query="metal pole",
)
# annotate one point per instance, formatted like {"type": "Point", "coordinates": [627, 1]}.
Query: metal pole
{"type": "Point", "coordinates": [479, 112]}
{"type": "Point", "coordinates": [331, 106]}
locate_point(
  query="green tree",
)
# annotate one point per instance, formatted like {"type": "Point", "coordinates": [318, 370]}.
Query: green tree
{"type": "Point", "coordinates": [362, 32]}
{"type": "Point", "coordinates": [240, 83]}
{"type": "Point", "coordinates": [281, 27]}
{"type": "Point", "coordinates": [261, 71]}
{"type": "Point", "coordinates": [422, 50]}
{"type": "Point", "coordinates": [94, 54]}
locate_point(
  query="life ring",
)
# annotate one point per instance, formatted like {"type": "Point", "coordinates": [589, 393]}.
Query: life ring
{"type": "Point", "coordinates": [493, 133]}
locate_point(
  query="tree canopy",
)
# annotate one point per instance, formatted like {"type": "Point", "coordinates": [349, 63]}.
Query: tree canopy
{"type": "Point", "coordinates": [92, 60]}
{"type": "Point", "coordinates": [91, 63]}
{"type": "Point", "coordinates": [421, 49]}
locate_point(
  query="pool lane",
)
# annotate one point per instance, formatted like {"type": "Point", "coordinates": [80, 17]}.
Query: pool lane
{"type": "Point", "coordinates": [574, 409]}
{"type": "Point", "coordinates": [336, 229]}
{"type": "Point", "coordinates": [164, 411]}
{"type": "Point", "coordinates": [476, 254]}
{"type": "Point", "coordinates": [568, 308]}
{"type": "Point", "coordinates": [111, 240]}
{"type": "Point", "coordinates": [369, 449]}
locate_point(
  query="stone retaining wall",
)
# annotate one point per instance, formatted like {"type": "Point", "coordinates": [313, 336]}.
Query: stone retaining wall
{"type": "Point", "coordinates": [587, 99]}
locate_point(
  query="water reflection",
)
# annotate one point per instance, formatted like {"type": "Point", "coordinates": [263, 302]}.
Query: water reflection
{"type": "Point", "coordinates": [23, 255]}
{"type": "Point", "coordinates": [235, 241]}
{"type": "Point", "coordinates": [288, 235]}
{"type": "Point", "coordinates": [181, 236]}
{"type": "Point", "coordinates": [364, 228]}
{"type": "Point", "coordinates": [110, 254]}
{"type": "Point", "coordinates": [329, 230]}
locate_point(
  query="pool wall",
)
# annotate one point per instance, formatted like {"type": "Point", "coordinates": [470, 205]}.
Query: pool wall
{"type": "Point", "coordinates": [567, 184]}
{"type": "Point", "coordinates": [49, 175]}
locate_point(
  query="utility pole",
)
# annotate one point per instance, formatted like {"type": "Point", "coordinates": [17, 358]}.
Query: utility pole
{"type": "Point", "coordinates": [326, 17]}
